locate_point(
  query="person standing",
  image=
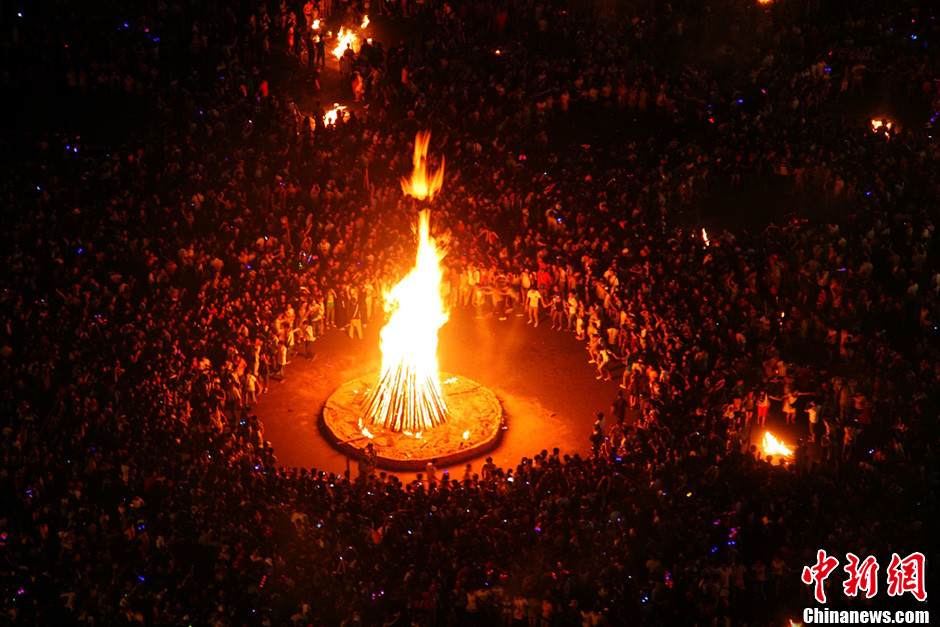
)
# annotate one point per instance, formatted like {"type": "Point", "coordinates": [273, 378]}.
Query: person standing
{"type": "Point", "coordinates": [264, 370]}
{"type": "Point", "coordinates": [281, 360]}
{"type": "Point", "coordinates": [850, 439]}
{"type": "Point", "coordinates": [558, 311]}
{"type": "Point", "coordinates": [603, 359]}
{"type": "Point", "coordinates": [346, 63]}
{"type": "Point", "coordinates": [367, 461]}
{"type": "Point", "coordinates": [597, 438]}
{"type": "Point", "coordinates": [473, 279]}
{"type": "Point", "coordinates": [789, 406]}
{"type": "Point", "coordinates": [251, 389]}
{"type": "Point", "coordinates": [812, 412]}
{"type": "Point", "coordinates": [309, 10]}
{"type": "Point", "coordinates": [463, 291]}
{"type": "Point", "coordinates": [359, 89]}
{"type": "Point", "coordinates": [533, 302]}
{"type": "Point", "coordinates": [329, 309]}
{"type": "Point", "coordinates": [309, 338]}
{"type": "Point", "coordinates": [572, 310]}
{"type": "Point", "coordinates": [618, 408]}
{"type": "Point", "coordinates": [750, 404]}
{"type": "Point", "coordinates": [355, 314]}
{"type": "Point", "coordinates": [431, 471]}
{"type": "Point", "coordinates": [319, 59]}
{"type": "Point", "coordinates": [519, 611]}
{"type": "Point", "coordinates": [256, 356]}
{"type": "Point", "coordinates": [316, 316]}
{"type": "Point", "coordinates": [488, 470]}
{"type": "Point", "coordinates": [368, 291]}
{"type": "Point", "coordinates": [763, 405]}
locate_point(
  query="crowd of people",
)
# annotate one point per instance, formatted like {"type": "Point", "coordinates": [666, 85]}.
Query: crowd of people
{"type": "Point", "coordinates": [156, 286]}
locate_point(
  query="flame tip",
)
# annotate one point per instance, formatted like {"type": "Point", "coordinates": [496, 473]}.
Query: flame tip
{"type": "Point", "coordinates": [422, 186]}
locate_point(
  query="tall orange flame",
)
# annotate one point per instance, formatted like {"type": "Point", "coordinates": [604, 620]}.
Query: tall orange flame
{"type": "Point", "coordinates": [420, 186]}
{"type": "Point", "coordinates": [408, 396]}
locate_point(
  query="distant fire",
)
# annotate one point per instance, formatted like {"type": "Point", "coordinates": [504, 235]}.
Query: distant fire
{"type": "Point", "coordinates": [333, 114]}
{"type": "Point", "coordinates": [346, 37]}
{"type": "Point", "coordinates": [882, 126]}
{"type": "Point", "coordinates": [773, 446]}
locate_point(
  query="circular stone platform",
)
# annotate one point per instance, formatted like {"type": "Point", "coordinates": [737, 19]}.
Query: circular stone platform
{"type": "Point", "coordinates": [475, 412]}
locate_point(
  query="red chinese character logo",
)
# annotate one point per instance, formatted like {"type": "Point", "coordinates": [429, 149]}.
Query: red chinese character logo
{"type": "Point", "coordinates": [817, 574]}
{"type": "Point", "coordinates": [861, 577]}
{"type": "Point", "coordinates": [907, 575]}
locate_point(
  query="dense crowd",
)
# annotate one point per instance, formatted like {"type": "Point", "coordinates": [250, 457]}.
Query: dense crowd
{"type": "Point", "coordinates": [153, 288]}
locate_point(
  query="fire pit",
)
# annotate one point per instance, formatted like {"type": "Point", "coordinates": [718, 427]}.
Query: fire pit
{"type": "Point", "coordinates": [473, 427]}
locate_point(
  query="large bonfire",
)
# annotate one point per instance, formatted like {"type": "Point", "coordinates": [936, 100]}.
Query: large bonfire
{"type": "Point", "coordinates": [408, 395]}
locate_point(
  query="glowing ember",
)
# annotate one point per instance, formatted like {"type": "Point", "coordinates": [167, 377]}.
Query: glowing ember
{"type": "Point", "coordinates": [764, 1]}
{"type": "Point", "coordinates": [315, 25]}
{"type": "Point", "coordinates": [466, 434]}
{"type": "Point", "coordinates": [345, 38]}
{"type": "Point", "coordinates": [795, 624]}
{"type": "Point", "coordinates": [366, 433]}
{"type": "Point", "coordinates": [773, 446]}
{"type": "Point", "coordinates": [451, 380]}
{"type": "Point", "coordinates": [365, 21]}
{"type": "Point", "coordinates": [408, 395]}
{"type": "Point", "coordinates": [333, 114]}
{"type": "Point", "coordinates": [705, 237]}
{"type": "Point", "coordinates": [420, 185]}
